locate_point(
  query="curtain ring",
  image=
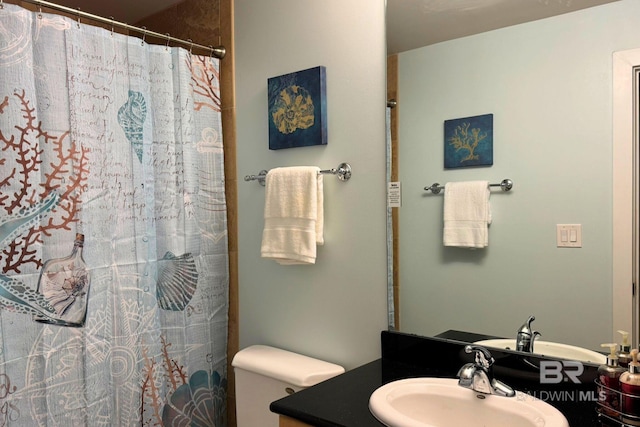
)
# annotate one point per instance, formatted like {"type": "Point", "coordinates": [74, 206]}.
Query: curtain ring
{"type": "Point", "coordinates": [144, 34]}
{"type": "Point", "coordinates": [191, 45]}
{"type": "Point", "coordinates": [168, 40]}
{"type": "Point", "coordinates": [211, 53]}
{"type": "Point", "coordinates": [1, 4]}
{"type": "Point", "coordinates": [112, 24]}
{"type": "Point", "coordinates": [78, 17]}
{"type": "Point", "coordinates": [39, 12]}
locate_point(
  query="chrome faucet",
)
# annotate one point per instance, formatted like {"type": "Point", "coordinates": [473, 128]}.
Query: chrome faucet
{"type": "Point", "coordinates": [526, 336]}
{"type": "Point", "coordinates": [478, 376]}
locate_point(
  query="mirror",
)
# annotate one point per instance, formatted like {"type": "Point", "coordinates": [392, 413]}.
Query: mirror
{"type": "Point", "coordinates": [548, 84]}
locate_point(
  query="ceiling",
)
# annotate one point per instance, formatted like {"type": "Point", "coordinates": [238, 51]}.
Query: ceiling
{"type": "Point", "coordinates": [416, 23]}
{"type": "Point", "coordinates": [410, 23]}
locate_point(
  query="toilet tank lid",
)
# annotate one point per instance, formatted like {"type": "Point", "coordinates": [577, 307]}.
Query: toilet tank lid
{"type": "Point", "coordinates": [286, 366]}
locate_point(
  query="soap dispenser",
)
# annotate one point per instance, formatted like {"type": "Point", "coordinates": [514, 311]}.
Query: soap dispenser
{"type": "Point", "coordinates": [624, 356]}
{"type": "Point", "coordinates": [609, 376]}
{"type": "Point", "coordinates": [630, 388]}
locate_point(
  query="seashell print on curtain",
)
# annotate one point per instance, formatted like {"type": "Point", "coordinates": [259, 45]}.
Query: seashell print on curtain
{"type": "Point", "coordinates": [131, 117]}
{"type": "Point", "coordinates": [115, 145]}
{"type": "Point", "coordinates": [177, 281]}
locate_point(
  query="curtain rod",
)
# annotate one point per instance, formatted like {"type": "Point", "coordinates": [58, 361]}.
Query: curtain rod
{"type": "Point", "coordinates": [217, 52]}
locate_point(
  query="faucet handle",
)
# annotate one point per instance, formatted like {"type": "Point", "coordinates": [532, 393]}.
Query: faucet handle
{"type": "Point", "coordinates": [526, 336]}
{"type": "Point", "coordinates": [526, 326]}
{"type": "Point", "coordinates": [483, 357]}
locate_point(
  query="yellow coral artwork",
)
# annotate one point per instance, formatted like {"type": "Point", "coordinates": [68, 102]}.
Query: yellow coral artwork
{"type": "Point", "coordinates": [298, 109]}
{"type": "Point", "coordinates": [293, 110]}
{"type": "Point", "coordinates": [468, 141]}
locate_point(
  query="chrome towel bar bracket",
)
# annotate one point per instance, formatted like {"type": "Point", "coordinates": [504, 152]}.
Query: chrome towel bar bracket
{"type": "Point", "coordinates": [505, 185]}
{"type": "Point", "coordinates": [343, 171]}
{"type": "Point", "coordinates": [260, 177]}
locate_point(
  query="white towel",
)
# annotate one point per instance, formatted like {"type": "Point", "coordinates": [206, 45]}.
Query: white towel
{"type": "Point", "coordinates": [467, 214]}
{"type": "Point", "coordinates": [293, 215]}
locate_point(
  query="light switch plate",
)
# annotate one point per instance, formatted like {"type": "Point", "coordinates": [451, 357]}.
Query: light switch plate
{"type": "Point", "coordinates": [569, 235]}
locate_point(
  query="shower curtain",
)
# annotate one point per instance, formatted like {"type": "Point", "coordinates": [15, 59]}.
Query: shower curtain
{"type": "Point", "coordinates": [113, 235]}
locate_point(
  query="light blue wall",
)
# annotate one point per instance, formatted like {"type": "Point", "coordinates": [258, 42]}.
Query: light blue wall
{"type": "Point", "coordinates": [335, 309]}
{"type": "Point", "coordinates": [549, 85]}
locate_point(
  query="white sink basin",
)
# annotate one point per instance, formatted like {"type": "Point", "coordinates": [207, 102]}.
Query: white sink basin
{"type": "Point", "coordinates": [441, 402]}
{"type": "Point", "coordinates": [550, 349]}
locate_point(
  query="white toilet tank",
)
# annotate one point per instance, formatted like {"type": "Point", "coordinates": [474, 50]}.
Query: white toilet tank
{"type": "Point", "coordinates": [264, 374]}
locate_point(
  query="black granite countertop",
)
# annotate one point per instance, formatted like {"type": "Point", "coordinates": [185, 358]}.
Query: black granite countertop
{"type": "Point", "coordinates": [343, 401]}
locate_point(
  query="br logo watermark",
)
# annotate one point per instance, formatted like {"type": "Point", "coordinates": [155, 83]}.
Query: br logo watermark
{"type": "Point", "coordinates": [555, 372]}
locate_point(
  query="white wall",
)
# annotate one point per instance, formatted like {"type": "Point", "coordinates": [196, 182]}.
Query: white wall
{"type": "Point", "coordinates": [549, 85]}
{"type": "Point", "coordinates": [335, 309]}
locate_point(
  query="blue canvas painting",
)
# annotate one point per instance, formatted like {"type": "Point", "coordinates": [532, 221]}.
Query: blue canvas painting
{"type": "Point", "coordinates": [468, 142]}
{"type": "Point", "coordinates": [298, 109]}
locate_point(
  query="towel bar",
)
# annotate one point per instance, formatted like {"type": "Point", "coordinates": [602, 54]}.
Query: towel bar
{"type": "Point", "coordinates": [343, 171]}
{"type": "Point", "coordinates": [505, 185]}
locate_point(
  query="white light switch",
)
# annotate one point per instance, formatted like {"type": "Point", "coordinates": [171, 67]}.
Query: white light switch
{"type": "Point", "coordinates": [569, 235]}
{"type": "Point", "coordinates": [573, 235]}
